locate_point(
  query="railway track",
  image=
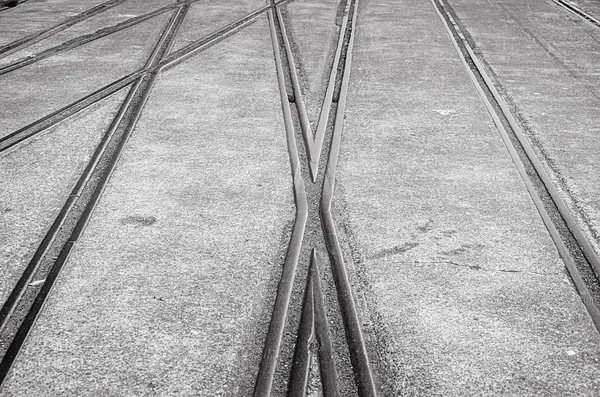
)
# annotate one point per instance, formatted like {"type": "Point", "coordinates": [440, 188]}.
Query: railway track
{"type": "Point", "coordinates": [22, 307]}
{"type": "Point", "coordinates": [169, 60]}
{"type": "Point", "coordinates": [42, 34]}
{"type": "Point", "coordinates": [315, 317]}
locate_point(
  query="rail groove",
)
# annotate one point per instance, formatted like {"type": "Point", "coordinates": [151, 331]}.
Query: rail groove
{"type": "Point", "coordinates": [313, 327]}
{"type": "Point", "coordinates": [579, 257]}
{"type": "Point", "coordinates": [266, 372]}
{"type": "Point", "coordinates": [56, 117]}
{"type": "Point", "coordinates": [358, 352]}
{"type": "Point", "coordinates": [314, 139]}
{"type": "Point", "coordinates": [20, 311]}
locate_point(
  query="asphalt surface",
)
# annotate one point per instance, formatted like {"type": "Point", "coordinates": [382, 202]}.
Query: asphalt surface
{"type": "Point", "coordinates": [194, 230]}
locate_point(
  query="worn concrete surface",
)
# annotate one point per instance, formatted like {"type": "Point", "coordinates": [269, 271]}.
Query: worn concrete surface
{"type": "Point", "coordinates": [170, 289]}
{"type": "Point", "coordinates": [463, 286]}
{"type": "Point", "coordinates": [548, 64]}
{"type": "Point", "coordinates": [169, 292]}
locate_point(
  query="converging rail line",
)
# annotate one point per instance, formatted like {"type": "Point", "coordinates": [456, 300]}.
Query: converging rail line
{"type": "Point", "coordinates": [169, 61]}
{"type": "Point", "coordinates": [75, 214]}
{"type": "Point", "coordinates": [314, 324]}
{"type": "Point", "coordinates": [38, 36]}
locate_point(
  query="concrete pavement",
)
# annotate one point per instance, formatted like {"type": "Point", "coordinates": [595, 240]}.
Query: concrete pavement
{"type": "Point", "coordinates": [171, 288]}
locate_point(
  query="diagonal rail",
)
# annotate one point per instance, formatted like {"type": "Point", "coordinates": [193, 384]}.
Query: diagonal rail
{"type": "Point", "coordinates": [169, 61]}
{"type": "Point", "coordinates": [42, 34]}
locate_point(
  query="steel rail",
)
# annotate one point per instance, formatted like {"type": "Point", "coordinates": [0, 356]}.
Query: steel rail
{"type": "Point", "coordinates": [314, 139]}
{"type": "Point", "coordinates": [125, 121]}
{"type": "Point", "coordinates": [313, 325]}
{"type": "Point", "coordinates": [572, 8]}
{"type": "Point", "coordinates": [268, 364]}
{"type": "Point", "coordinates": [363, 374]}
{"type": "Point", "coordinates": [212, 38]}
{"type": "Point", "coordinates": [452, 28]}
{"type": "Point", "coordinates": [42, 34]}
{"type": "Point", "coordinates": [216, 36]}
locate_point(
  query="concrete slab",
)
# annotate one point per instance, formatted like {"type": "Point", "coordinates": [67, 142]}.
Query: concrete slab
{"type": "Point", "coordinates": [169, 291]}
{"type": "Point", "coordinates": [546, 60]}
{"type": "Point", "coordinates": [462, 288]}
{"type": "Point", "coordinates": [36, 90]}
{"type": "Point", "coordinates": [36, 179]}
{"type": "Point", "coordinates": [206, 17]}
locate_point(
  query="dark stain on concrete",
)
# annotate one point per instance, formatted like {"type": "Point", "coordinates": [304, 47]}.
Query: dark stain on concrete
{"type": "Point", "coordinates": [138, 220]}
{"type": "Point", "coordinates": [394, 250]}
{"type": "Point", "coordinates": [472, 267]}
{"type": "Point", "coordinates": [464, 248]}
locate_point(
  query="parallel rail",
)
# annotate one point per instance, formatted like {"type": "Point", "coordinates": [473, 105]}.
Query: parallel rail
{"type": "Point", "coordinates": [581, 261]}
